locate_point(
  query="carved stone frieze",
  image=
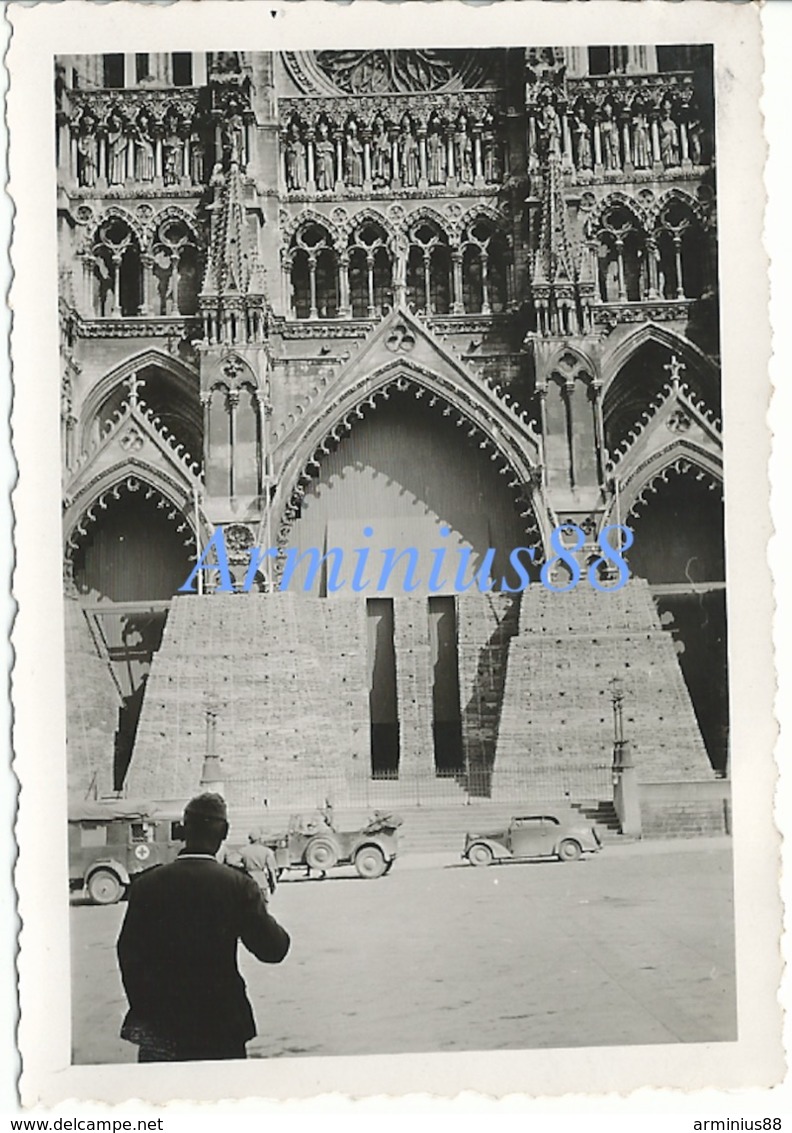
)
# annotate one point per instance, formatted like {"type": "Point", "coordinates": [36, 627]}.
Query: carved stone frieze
{"type": "Point", "coordinates": [180, 328]}
{"type": "Point", "coordinates": [607, 317]}
{"type": "Point", "coordinates": [305, 329]}
{"type": "Point", "coordinates": [466, 324]}
{"type": "Point", "coordinates": [430, 193]}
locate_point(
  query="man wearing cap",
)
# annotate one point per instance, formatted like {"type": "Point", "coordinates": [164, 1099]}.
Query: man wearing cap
{"type": "Point", "coordinates": [260, 862]}
{"type": "Point", "coordinates": [177, 950]}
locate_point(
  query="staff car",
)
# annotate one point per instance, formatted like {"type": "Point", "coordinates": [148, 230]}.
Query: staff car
{"type": "Point", "coordinates": [565, 837]}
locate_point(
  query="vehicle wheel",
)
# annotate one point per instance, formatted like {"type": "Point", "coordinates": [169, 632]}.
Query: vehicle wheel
{"type": "Point", "coordinates": [569, 851]}
{"type": "Point", "coordinates": [104, 887]}
{"type": "Point", "coordinates": [370, 862]}
{"type": "Point", "coordinates": [320, 854]}
{"type": "Point", "coordinates": [480, 855]}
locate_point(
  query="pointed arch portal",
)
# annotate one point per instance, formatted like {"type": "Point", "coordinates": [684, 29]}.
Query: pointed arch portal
{"type": "Point", "coordinates": [677, 521]}
{"type": "Point", "coordinates": [132, 549]}
{"type": "Point", "coordinates": [406, 472]}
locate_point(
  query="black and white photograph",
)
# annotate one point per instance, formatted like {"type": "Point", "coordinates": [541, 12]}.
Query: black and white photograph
{"type": "Point", "coordinates": [395, 605]}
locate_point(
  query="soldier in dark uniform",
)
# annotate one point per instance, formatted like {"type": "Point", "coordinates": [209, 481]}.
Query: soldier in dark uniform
{"type": "Point", "coordinates": [177, 950]}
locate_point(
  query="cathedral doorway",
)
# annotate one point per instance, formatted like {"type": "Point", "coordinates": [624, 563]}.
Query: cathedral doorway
{"type": "Point", "coordinates": [412, 477]}
{"type": "Point", "coordinates": [678, 527]}
{"type": "Point", "coordinates": [126, 569]}
{"type": "Point", "coordinates": [409, 478]}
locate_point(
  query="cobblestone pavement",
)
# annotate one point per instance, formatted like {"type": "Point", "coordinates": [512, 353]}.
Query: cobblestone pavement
{"type": "Point", "coordinates": [634, 946]}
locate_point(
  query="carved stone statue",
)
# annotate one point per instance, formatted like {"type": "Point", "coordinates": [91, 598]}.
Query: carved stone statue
{"type": "Point", "coordinates": [489, 153]}
{"type": "Point", "coordinates": [87, 161]}
{"type": "Point", "coordinates": [408, 157]}
{"type": "Point", "coordinates": [144, 149]}
{"type": "Point", "coordinates": [234, 138]}
{"type": "Point", "coordinates": [585, 158]}
{"type": "Point", "coordinates": [463, 153]}
{"type": "Point", "coordinates": [436, 152]}
{"type": "Point", "coordinates": [196, 157]}
{"type": "Point", "coordinates": [172, 158]}
{"type": "Point", "coordinates": [669, 140]}
{"type": "Point", "coordinates": [550, 126]}
{"type": "Point", "coordinates": [353, 158]}
{"type": "Point", "coordinates": [117, 144]}
{"type": "Point", "coordinates": [380, 155]}
{"type": "Point", "coordinates": [295, 159]}
{"type": "Point", "coordinates": [642, 150]}
{"type": "Point", "coordinates": [694, 139]}
{"type": "Point", "coordinates": [609, 136]}
{"type": "Point", "coordinates": [325, 163]}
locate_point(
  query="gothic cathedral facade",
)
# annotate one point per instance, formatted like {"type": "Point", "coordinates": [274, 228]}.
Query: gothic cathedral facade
{"type": "Point", "coordinates": [389, 299]}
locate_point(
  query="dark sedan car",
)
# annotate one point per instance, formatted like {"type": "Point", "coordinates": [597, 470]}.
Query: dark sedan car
{"type": "Point", "coordinates": [565, 837]}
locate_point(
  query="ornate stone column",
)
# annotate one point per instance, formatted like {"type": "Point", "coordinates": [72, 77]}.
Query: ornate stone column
{"type": "Point", "coordinates": [101, 179]}
{"type": "Point", "coordinates": [423, 173]}
{"type": "Point", "coordinates": [569, 390]}
{"type": "Point", "coordinates": [485, 302]}
{"type": "Point", "coordinates": [566, 137]}
{"type": "Point", "coordinates": [427, 266]}
{"type": "Point", "coordinates": [367, 160]}
{"type": "Point", "coordinates": [655, 136]}
{"type": "Point", "coordinates": [314, 310]}
{"type": "Point", "coordinates": [286, 287]}
{"type": "Point", "coordinates": [232, 401]}
{"type": "Point", "coordinates": [652, 256]}
{"type": "Point", "coordinates": [344, 306]}
{"type": "Point", "coordinates": [147, 282]}
{"type": "Point", "coordinates": [599, 427]}
{"type": "Point", "coordinates": [597, 144]}
{"type": "Point", "coordinates": [680, 286]}
{"type": "Point", "coordinates": [372, 311]}
{"type": "Point", "coordinates": [620, 265]}
{"type": "Point", "coordinates": [478, 168]}
{"type": "Point", "coordinates": [309, 149]}
{"type": "Point", "coordinates": [116, 311]}
{"type": "Point", "coordinates": [457, 303]}
{"type": "Point", "coordinates": [627, 143]}
{"type": "Point", "coordinates": [339, 182]}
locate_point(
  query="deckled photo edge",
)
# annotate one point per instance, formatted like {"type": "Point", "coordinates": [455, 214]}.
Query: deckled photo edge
{"type": "Point", "coordinates": [37, 584]}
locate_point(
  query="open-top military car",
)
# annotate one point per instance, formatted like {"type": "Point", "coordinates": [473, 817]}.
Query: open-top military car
{"type": "Point", "coordinates": [111, 842]}
{"type": "Point", "coordinates": [565, 837]}
{"type": "Point", "coordinates": [312, 842]}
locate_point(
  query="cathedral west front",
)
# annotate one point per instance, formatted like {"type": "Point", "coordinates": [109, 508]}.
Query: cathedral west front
{"type": "Point", "coordinates": [391, 299]}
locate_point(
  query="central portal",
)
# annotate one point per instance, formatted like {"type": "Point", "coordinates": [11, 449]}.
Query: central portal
{"type": "Point", "coordinates": [418, 482]}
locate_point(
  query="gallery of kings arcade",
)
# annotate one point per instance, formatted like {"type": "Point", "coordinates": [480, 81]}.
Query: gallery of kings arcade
{"type": "Point", "coordinates": [309, 293]}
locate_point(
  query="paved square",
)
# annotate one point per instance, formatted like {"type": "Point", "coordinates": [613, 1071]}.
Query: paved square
{"type": "Point", "coordinates": [635, 946]}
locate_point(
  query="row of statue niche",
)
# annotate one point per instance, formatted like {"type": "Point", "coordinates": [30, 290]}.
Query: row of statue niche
{"type": "Point", "coordinates": [393, 156]}
{"type": "Point", "coordinates": [142, 136]}
{"type": "Point", "coordinates": [613, 156]}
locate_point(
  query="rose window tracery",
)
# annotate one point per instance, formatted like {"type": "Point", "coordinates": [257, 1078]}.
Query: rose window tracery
{"type": "Point", "coordinates": [388, 71]}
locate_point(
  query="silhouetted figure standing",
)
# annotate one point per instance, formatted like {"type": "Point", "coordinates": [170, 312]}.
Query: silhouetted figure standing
{"type": "Point", "coordinates": [177, 950]}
